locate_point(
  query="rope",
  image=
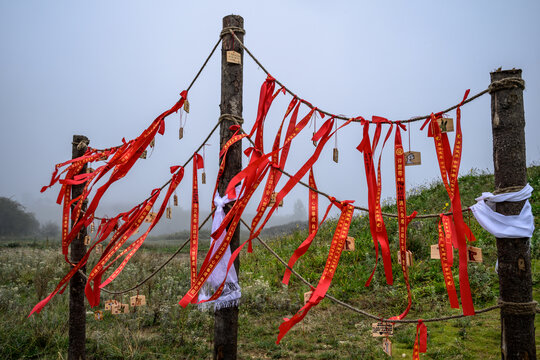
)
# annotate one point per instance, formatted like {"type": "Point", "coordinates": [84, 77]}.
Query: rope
{"type": "Point", "coordinates": [508, 83]}
{"type": "Point", "coordinates": [158, 269]}
{"type": "Point", "coordinates": [233, 29]}
{"type": "Point", "coordinates": [360, 311]}
{"type": "Point", "coordinates": [514, 308]}
{"type": "Point", "coordinates": [83, 144]}
{"type": "Point", "coordinates": [508, 190]}
{"type": "Point", "coordinates": [425, 216]}
{"type": "Point", "coordinates": [413, 119]}
{"type": "Point", "coordinates": [237, 119]}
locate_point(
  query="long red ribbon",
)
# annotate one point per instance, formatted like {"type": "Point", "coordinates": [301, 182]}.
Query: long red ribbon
{"type": "Point", "coordinates": [194, 229]}
{"type": "Point", "coordinates": [445, 248]}
{"type": "Point", "coordinates": [420, 342]}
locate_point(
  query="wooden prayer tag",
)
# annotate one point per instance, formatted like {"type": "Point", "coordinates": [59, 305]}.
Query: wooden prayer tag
{"type": "Point", "coordinates": [181, 133]}
{"type": "Point", "coordinates": [307, 295]}
{"type": "Point", "coordinates": [412, 158]}
{"type": "Point", "coordinates": [475, 254]}
{"type": "Point", "coordinates": [168, 213]}
{"type": "Point", "coordinates": [99, 249]}
{"type": "Point", "coordinates": [116, 309]}
{"type": "Point", "coordinates": [175, 200]}
{"type": "Point", "coordinates": [143, 155]}
{"type": "Point", "coordinates": [203, 178]}
{"type": "Point", "coordinates": [382, 328]}
{"type": "Point", "coordinates": [89, 170]}
{"type": "Point", "coordinates": [98, 315]}
{"type": "Point", "coordinates": [137, 300]}
{"type": "Point", "coordinates": [387, 346]}
{"type": "Point", "coordinates": [233, 57]}
{"type": "Point", "coordinates": [336, 155]}
{"type": "Point", "coordinates": [408, 257]}
{"type": "Point", "coordinates": [87, 240]}
{"type": "Point", "coordinates": [349, 244]}
{"type": "Point", "coordinates": [153, 143]}
{"type": "Point", "coordinates": [435, 254]}
{"type": "Point", "coordinates": [110, 303]}
{"type": "Point", "coordinates": [150, 217]}
{"type": "Point", "coordinates": [186, 106]}
{"type": "Point", "coordinates": [125, 308]}
{"type": "Point", "coordinates": [273, 198]}
{"type": "Point", "coordinates": [92, 227]}
{"type": "Point", "coordinates": [446, 124]}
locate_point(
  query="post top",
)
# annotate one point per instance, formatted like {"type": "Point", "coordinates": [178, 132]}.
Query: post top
{"type": "Point", "coordinates": [233, 20]}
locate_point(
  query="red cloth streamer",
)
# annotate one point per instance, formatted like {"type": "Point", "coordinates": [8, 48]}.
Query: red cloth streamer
{"type": "Point", "coordinates": [376, 221]}
{"type": "Point", "coordinates": [194, 229]}
{"type": "Point", "coordinates": [336, 248]}
{"type": "Point", "coordinates": [449, 167]}
{"type": "Point", "coordinates": [313, 203]}
{"type": "Point", "coordinates": [420, 342]}
{"type": "Point", "coordinates": [445, 248]}
{"type": "Point", "coordinates": [403, 219]}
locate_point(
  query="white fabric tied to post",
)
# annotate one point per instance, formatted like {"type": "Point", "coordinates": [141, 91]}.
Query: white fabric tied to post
{"type": "Point", "coordinates": [231, 294]}
{"type": "Point", "coordinates": [505, 226]}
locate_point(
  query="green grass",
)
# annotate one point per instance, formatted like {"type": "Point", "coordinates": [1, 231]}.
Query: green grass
{"type": "Point", "coordinates": [163, 330]}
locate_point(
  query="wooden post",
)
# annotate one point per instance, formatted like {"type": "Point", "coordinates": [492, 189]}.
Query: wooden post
{"type": "Point", "coordinates": [77, 311]}
{"type": "Point", "coordinates": [226, 319]}
{"type": "Point", "coordinates": [515, 281]}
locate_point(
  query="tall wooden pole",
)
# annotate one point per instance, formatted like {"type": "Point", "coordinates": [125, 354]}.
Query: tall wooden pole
{"type": "Point", "coordinates": [514, 256]}
{"type": "Point", "coordinates": [226, 319]}
{"type": "Point", "coordinates": [77, 311]}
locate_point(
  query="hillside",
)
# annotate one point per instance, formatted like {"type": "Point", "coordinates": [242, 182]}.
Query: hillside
{"type": "Point", "coordinates": [163, 330]}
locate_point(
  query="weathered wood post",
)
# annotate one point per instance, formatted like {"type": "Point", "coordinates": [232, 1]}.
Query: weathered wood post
{"type": "Point", "coordinates": [515, 281]}
{"type": "Point", "coordinates": [77, 311]}
{"type": "Point", "coordinates": [226, 319]}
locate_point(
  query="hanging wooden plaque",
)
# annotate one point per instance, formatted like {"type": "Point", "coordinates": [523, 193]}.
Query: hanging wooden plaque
{"type": "Point", "coordinates": [307, 296]}
{"type": "Point", "coordinates": [89, 170]}
{"type": "Point", "coordinates": [435, 254]}
{"type": "Point", "coordinates": [116, 309]}
{"type": "Point", "coordinates": [125, 308]}
{"type": "Point", "coordinates": [92, 227]}
{"type": "Point", "coordinates": [87, 240]}
{"type": "Point", "coordinates": [153, 143]}
{"type": "Point", "coordinates": [186, 106]}
{"type": "Point", "coordinates": [137, 300]}
{"type": "Point", "coordinates": [413, 158]}
{"type": "Point", "coordinates": [168, 213]}
{"type": "Point", "coordinates": [99, 249]}
{"type": "Point", "coordinates": [382, 328]}
{"type": "Point", "coordinates": [233, 57]}
{"type": "Point", "coordinates": [408, 257]}
{"type": "Point", "coordinates": [175, 200]}
{"type": "Point", "coordinates": [110, 303]}
{"type": "Point", "coordinates": [203, 178]}
{"type": "Point", "coordinates": [475, 254]}
{"type": "Point", "coordinates": [349, 244]}
{"type": "Point", "coordinates": [150, 217]}
{"type": "Point", "coordinates": [446, 124]}
{"type": "Point", "coordinates": [181, 133]}
{"type": "Point", "coordinates": [143, 155]}
{"type": "Point", "coordinates": [387, 346]}
{"type": "Point", "coordinates": [336, 155]}
{"type": "Point", "coordinates": [98, 315]}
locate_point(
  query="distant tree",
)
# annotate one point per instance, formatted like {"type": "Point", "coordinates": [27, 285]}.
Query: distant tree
{"type": "Point", "coordinates": [50, 229]}
{"type": "Point", "coordinates": [14, 221]}
{"type": "Point", "coordinates": [300, 211]}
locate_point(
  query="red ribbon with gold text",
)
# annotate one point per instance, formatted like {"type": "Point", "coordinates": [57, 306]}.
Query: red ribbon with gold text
{"type": "Point", "coordinates": [420, 342]}
{"type": "Point", "coordinates": [445, 248]}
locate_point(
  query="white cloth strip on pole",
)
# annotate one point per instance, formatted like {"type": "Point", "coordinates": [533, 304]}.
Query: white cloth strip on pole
{"type": "Point", "coordinates": [505, 226]}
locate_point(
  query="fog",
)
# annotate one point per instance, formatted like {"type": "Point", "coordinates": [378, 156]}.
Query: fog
{"type": "Point", "coordinates": [107, 69]}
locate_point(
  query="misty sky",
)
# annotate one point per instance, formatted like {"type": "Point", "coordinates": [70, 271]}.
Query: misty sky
{"type": "Point", "coordinates": [106, 69]}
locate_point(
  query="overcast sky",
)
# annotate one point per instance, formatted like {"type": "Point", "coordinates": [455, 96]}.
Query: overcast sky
{"type": "Point", "coordinates": [106, 69]}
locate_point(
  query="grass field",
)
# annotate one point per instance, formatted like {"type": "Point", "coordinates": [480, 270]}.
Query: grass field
{"type": "Point", "coordinates": [30, 269]}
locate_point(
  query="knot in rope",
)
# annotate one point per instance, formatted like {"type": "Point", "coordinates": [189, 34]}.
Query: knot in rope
{"type": "Point", "coordinates": [508, 83]}
{"type": "Point", "coordinates": [237, 119]}
{"type": "Point", "coordinates": [235, 29]}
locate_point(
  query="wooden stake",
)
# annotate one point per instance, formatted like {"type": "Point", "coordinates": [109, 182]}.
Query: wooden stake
{"type": "Point", "coordinates": [77, 311]}
{"type": "Point", "coordinates": [515, 279]}
{"type": "Point", "coordinates": [226, 319]}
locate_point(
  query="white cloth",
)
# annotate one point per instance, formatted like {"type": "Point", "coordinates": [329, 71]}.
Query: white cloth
{"type": "Point", "coordinates": [231, 292]}
{"type": "Point", "coordinates": [505, 226]}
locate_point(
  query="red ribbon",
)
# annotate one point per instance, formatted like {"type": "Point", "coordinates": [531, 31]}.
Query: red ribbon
{"type": "Point", "coordinates": [420, 342]}
{"type": "Point", "coordinates": [194, 229]}
{"type": "Point", "coordinates": [445, 251]}
{"type": "Point", "coordinates": [336, 248]}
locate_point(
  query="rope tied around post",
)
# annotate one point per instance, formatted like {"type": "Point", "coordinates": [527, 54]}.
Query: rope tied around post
{"type": "Point", "coordinates": [81, 145]}
{"type": "Point", "coordinates": [507, 190]}
{"type": "Point", "coordinates": [237, 119]}
{"type": "Point", "coordinates": [508, 83]}
{"type": "Point", "coordinates": [514, 308]}
{"type": "Point", "coordinates": [227, 30]}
